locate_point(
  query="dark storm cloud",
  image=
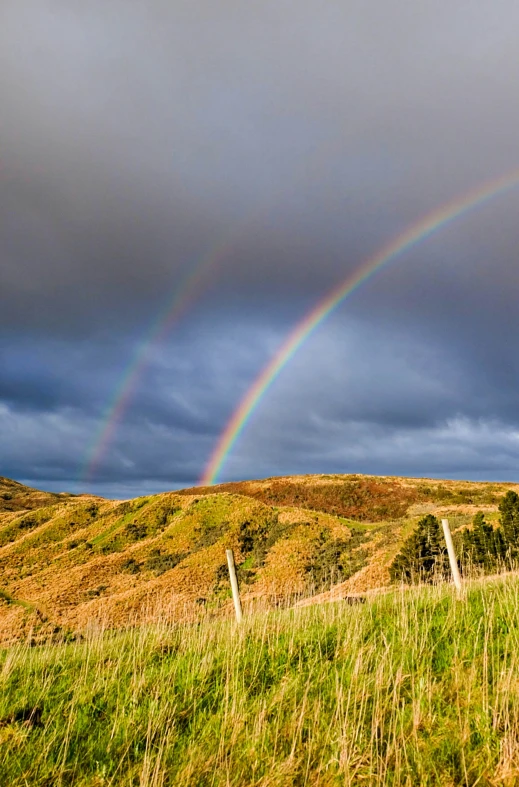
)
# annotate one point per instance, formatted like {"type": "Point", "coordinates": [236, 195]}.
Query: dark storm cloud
{"type": "Point", "coordinates": [133, 136]}
{"type": "Point", "coordinates": [169, 419]}
{"type": "Point", "coordinates": [293, 140]}
{"type": "Point", "coordinates": [362, 404]}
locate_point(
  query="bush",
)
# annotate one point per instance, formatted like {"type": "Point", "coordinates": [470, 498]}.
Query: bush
{"type": "Point", "coordinates": [160, 562]}
{"type": "Point", "coordinates": [110, 547]}
{"type": "Point", "coordinates": [131, 566]}
{"type": "Point", "coordinates": [135, 532]}
{"type": "Point", "coordinates": [28, 522]}
{"type": "Point", "coordinates": [164, 513]}
{"type": "Point", "coordinates": [209, 533]}
{"type": "Point", "coordinates": [222, 574]}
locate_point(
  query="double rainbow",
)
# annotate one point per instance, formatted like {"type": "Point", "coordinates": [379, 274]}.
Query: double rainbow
{"type": "Point", "coordinates": [419, 231]}
{"type": "Point", "coordinates": [184, 296]}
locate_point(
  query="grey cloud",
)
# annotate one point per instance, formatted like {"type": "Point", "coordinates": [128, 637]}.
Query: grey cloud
{"type": "Point", "coordinates": [351, 400]}
{"type": "Point", "coordinates": [81, 420]}
{"type": "Point", "coordinates": [355, 399]}
{"type": "Point", "coordinates": [287, 142]}
{"type": "Point", "coordinates": [135, 136]}
{"type": "Point", "coordinates": [463, 449]}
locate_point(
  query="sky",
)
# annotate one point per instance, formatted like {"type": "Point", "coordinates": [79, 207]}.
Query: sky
{"type": "Point", "coordinates": [228, 164]}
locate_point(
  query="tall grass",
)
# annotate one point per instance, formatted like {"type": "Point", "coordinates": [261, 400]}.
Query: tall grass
{"type": "Point", "coordinates": [414, 688]}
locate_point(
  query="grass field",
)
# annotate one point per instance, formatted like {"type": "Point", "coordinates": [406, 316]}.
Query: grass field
{"type": "Point", "coordinates": [416, 687]}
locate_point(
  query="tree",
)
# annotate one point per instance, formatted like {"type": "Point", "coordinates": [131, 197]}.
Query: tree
{"type": "Point", "coordinates": [509, 510]}
{"type": "Point", "coordinates": [483, 546]}
{"type": "Point", "coordinates": [423, 557]}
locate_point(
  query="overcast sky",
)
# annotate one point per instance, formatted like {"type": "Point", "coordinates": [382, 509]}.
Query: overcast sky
{"type": "Point", "coordinates": [267, 149]}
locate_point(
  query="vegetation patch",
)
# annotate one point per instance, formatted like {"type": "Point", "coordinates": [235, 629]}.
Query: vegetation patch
{"type": "Point", "coordinates": [131, 566]}
{"type": "Point", "coordinates": [8, 599]}
{"type": "Point", "coordinates": [17, 497]}
{"type": "Point", "coordinates": [363, 498]}
{"type": "Point", "coordinates": [24, 524]}
{"type": "Point", "coordinates": [335, 559]}
{"type": "Point", "coordinates": [282, 552]}
{"type": "Point", "coordinates": [423, 556]}
{"type": "Point", "coordinates": [159, 562]}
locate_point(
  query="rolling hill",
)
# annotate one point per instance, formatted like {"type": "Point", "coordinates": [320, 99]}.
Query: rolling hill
{"type": "Point", "coordinates": [17, 497]}
{"type": "Point", "coordinates": [68, 561]}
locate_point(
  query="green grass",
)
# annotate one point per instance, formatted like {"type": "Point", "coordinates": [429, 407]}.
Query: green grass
{"type": "Point", "coordinates": [8, 599]}
{"type": "Point", "coordinates": [415, 688]}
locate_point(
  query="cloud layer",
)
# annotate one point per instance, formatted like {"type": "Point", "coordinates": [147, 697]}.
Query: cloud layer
{"type": "Point", "coordinates": [266, 149]}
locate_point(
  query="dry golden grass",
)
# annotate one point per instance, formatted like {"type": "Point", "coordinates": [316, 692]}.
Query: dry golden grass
{"type": "Point", "coordinates": [69, 559]}
{"type": "Point", "coordinates": [17, 497]}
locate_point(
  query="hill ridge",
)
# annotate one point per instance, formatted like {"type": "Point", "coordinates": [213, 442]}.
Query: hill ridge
{"type": "Point", "coordinates": [73, 559]}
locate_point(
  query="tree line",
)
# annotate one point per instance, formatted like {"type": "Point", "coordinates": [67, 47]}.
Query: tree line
{"type": "Point", "coordinates": [423, 557]}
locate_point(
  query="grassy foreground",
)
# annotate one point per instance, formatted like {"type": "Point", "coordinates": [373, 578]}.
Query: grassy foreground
{"type": "Point", "coordinates": [413, 688]}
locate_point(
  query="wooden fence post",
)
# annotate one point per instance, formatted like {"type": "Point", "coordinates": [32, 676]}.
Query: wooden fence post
{"type": "Point", "coordinates": [234, 585]}
{"type": "Point", "coordinates": [452, 555]}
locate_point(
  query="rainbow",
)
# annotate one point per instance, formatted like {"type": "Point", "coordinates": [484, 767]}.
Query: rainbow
{"type": "Point", "coordinates": [413, 235]}
{"type": "Point", "coordinates": [177, 306]}
{"type": "Point", "coordinates": [183, 297]}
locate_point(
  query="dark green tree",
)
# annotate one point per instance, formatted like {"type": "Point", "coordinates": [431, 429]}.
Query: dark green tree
{"type": "Point", "coordinates": [509, 510]}
{"type": "Point", "coordinates": [423, 557]}
{"type": "Point", "coordinates": [484, 546]}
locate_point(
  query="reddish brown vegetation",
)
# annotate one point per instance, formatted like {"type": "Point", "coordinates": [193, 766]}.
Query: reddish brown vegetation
{"type": "Point", "coordinates": [364, 499]}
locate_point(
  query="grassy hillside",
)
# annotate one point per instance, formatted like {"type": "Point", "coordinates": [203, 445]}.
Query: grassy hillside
{"type": "Point", "coordinates": [413, 688]}
{"type": "Point", "coordinates": [66, 561]}
{"type": "Point", "coordinates": [363, 498]}
{"type": "Point", "coordinates": [17, 497]}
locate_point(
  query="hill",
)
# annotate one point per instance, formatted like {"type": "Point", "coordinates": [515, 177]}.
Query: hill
{"type": "Point", "coordinates": [66, 561]}
{"type": "Point", "coordinates": [17, 497]}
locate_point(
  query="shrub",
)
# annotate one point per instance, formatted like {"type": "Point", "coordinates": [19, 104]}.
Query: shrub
{"type": "Point", "coordinates": [160, 562]}
{"type": "Point", "coordinates": [164, 512]}
{"type": "Point", "coordinates": [209, 533]}
{"type": "Point", "coordinates": [131, 566]}
{"type": "Point", "coordinates": [110, 546]}
{"type": "Point", "coordinates": [222, 574]}
{"type": "Point", "coordinates": [135, 532]}
{"type": "Point", "coordinates": [27, 523]}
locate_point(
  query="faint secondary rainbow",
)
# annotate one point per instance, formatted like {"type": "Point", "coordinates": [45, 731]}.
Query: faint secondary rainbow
{"type": "Point", "coordinates": [177, 306]}
{"type": "Point", "coordinates": [175, 309]}
{"type": "Point", "coordinates": [413, 235]}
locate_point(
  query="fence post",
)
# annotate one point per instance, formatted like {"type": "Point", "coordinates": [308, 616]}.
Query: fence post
{"type": "Point", "coordinates": [452, 555]}
{"type": "Point", "coordinates": [234, 585]}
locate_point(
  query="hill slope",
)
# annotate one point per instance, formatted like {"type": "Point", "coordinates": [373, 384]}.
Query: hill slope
{"type": "Point", "coordinates": [17, 497]}
{"type": "Point", "coordinates": [70, 560]}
